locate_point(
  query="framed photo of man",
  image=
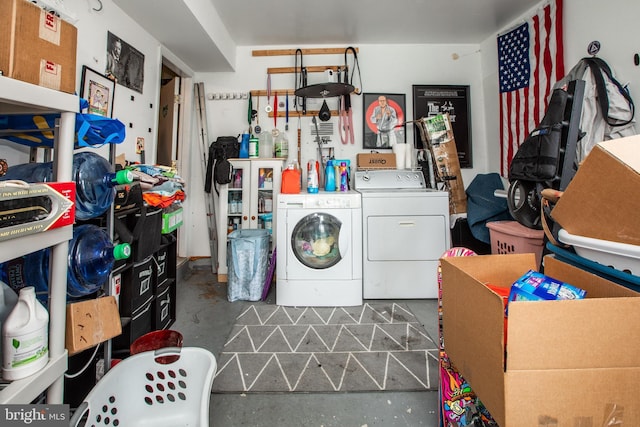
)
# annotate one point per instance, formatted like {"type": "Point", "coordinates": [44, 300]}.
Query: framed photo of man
{"type": "Point", "coordinates": [125, 64]}
{"type": "Point", "coordinates": [431, 100]}
{"type": "Point", "coordinates": [384, 120]}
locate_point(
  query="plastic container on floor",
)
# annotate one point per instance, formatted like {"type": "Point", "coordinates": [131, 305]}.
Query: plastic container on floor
{"type": "Point", "coordinates": [155, 340]}
{"type": "Point", "coordinates": [140, 390]}
{"type": "Point", "coordinates": [509, 237]}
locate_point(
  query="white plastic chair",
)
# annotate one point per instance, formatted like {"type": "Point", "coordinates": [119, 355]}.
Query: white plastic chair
{"type": "Point", "coordinates": [152, 389]}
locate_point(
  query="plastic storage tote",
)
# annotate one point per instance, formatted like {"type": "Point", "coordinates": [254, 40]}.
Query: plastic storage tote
{"type": "Point", "coordinates": [248, 260]}
{"type": "Point", "coordinates": [511, 237]}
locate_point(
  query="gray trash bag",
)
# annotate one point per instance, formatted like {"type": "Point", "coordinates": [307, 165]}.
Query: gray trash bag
{"type": "Point", "coordinates": [248, 260]}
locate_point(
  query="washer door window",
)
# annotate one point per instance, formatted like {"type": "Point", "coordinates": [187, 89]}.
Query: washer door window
{"type": "Point", "coordinates": [315, 241]}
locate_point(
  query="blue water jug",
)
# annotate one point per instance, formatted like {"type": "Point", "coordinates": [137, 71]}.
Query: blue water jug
{"type": "Point", "coordinates": [89, 264]}
{"type": "Point", "coordinates": [93, 175]}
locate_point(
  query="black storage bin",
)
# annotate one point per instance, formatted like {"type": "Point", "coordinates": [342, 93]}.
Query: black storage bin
{"type": "Point", "coordinates": [146, 226]}
{"type": "Point", "coordinates": [140, 323]}
{"type": "Point", "coordinates": [165, 259]}
{"type": "Point", "coordinates": [165, 305]}
{"type": "Point", "coordinates": [138, 284]}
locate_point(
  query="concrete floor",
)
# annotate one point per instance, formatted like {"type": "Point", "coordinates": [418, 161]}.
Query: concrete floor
{"type": "Point", "coordinates": [205, 317]}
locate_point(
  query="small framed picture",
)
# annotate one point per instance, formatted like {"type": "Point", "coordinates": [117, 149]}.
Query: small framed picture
{"type": "Point", "coordinates": [98, 90]}
{"type": "Point", "coordinates": [384, 120]}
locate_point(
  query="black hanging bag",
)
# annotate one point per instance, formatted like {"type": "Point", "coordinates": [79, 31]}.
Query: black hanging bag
{"type": "Point", "coordinates": [218, 166]}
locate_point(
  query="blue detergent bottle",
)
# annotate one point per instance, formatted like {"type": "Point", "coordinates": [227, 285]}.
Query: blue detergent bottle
{"type": "Point", "coordinates": [89, 264]}
{"type": "Point", "coordinates": [94, 177]}
{"type": "Point", "coordinates": [329, 177]}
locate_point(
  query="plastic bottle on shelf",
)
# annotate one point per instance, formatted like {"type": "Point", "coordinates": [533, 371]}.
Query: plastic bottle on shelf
{"type": "Point", "coordinates": [244, 146]}
{"type": "Point", "coordinates": [25, 337]}
{"type": "Point", "coordinates": [344, 184]}
{"type": "Point", "coordinates": [89, 264]}
{"type": "Point", "coordinates": [312, 176]}
{"type": "Point", "coordinates": [329, 177]}
{"type": "Point", "coordinates": [265, 145]}
{"type": "Point", "coordinates": [93, 175]}
{"type": "Point", "coordinates": [281, 146]}
{"type": "Point", "coordinates": [254, 147]}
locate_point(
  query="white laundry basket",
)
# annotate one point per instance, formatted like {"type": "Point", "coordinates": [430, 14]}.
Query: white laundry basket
{"type": "Point", "coordinates": [140, 391]}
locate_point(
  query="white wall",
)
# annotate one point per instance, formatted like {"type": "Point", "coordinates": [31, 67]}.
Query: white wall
{"type": "Point", "coordinates": [611, 23]}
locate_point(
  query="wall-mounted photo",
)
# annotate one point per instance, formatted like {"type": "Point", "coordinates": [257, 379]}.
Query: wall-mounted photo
{"type": "Point", "coordinates": [384, 120]}
{"type": "Point", "coordinates": [125, 64]}
{"type": "Point", "coordinates": [98, 90]}
{"type": "Point", "coordinates": [431, 100]}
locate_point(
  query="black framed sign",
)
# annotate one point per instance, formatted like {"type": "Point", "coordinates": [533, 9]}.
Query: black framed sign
{"type": "Point", "coordinates": [384, 120]}
{"type": "Point", "coordinates": [431, 100]}
{"type": "Point", "coordinates": [98, 90]}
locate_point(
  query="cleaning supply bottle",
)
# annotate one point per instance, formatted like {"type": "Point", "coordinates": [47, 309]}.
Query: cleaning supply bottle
{"type": "Point", "coordinates": [254, 147]}
{"type": "Point", "coordinates": [344, 180]}
{"type": "Point", "coordinates": [281, 146]}
{"type": "Point", "coordinates": [93, 175]}
{"type": "Point", "coordinates": [329, 177]}
{"type": "Point", "coordinates": [89, 264]}
{"type": "Point", "coordinates": [244, 146]}
{"type": "Point", "coordinates": [312, 176]}
{"type": "Point", "coordinates": [25, 337]}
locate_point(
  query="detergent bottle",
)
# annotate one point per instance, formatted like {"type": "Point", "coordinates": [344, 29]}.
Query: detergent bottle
{"type": "Point", "coordinates": [25, 337]}
{"type": "Point", "coordinates": [344, 180]}
{"type": "Point", "coordinates": [312, 176]}
{"type": "Point", "coordinates": [329, 177]}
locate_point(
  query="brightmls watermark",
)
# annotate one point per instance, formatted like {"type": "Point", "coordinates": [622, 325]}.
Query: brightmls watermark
{"type": "Point", "coordinates": [34, 415]}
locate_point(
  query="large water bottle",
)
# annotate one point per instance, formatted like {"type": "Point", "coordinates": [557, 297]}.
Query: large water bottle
{"type": "Point", "coordinates": [89, 264]}
{"type": "Point", "coordinates": [93, 175]}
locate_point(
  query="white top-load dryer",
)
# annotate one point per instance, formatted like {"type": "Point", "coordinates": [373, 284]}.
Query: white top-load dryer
{"type": "Point", "coordinates": [405, 231]}
{"type": "Point", "coordinates": [319, 247]}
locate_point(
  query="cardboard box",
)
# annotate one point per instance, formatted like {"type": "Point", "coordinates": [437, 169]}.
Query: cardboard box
{"type": "Point", "coordinates": [602, 200]}
{"type": "Point", "coordinates": [439, 132]}
{"type": "Point", "coordinates": [91, 322]}
{"type": "Point", "coordinates": [367, 161]}
{"type": "Point", "coordinates": [37, 47]}
{"type": "Point", "coordinates": [566, 361]}
{"type": "Point", "coordinates": [59, 198]}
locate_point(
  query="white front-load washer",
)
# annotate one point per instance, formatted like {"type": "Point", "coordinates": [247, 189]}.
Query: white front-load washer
{"type": "Point", "coordinates": [319, 246]}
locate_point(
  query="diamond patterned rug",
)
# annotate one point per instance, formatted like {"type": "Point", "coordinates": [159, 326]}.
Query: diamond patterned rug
{"type": "Point", "coordinates": [373, 347]}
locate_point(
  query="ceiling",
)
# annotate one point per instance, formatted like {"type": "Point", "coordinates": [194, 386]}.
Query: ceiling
{"type": "Point", "coordinates": [202, 32]}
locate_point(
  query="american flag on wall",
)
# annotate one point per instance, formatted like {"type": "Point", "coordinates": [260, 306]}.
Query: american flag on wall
{"type": "Point", "coordinates": [530, 61]}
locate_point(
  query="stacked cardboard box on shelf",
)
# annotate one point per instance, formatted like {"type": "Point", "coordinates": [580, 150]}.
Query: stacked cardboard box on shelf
{"type": "Point", "coordinates": [36, 46]}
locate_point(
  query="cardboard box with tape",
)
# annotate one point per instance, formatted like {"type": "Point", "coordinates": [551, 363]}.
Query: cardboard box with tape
{"type": "Point", "coordinates": [36, 46]}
